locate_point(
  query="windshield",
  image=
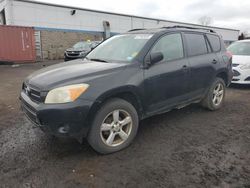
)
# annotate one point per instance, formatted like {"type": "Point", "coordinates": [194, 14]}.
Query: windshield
{"type": "Point", "coordinates": [120, 47]}
{"type": "Point", "coordinates": [81, 45]}
{"type": "Point", "coordinates": [240, 48]}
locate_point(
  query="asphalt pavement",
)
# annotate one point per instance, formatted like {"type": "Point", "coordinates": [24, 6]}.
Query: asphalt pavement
{"type": "Point", "coordinates": [190, 147]}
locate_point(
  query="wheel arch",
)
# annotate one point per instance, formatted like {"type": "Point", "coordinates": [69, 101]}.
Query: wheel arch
{"type": "Point", "coordinates": [128, 93]}
{"type": "Point", "coordinates": [223, 75]}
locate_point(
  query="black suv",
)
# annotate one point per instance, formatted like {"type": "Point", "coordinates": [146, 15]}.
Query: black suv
{"type": "Point", "coordinates": [125, 79]}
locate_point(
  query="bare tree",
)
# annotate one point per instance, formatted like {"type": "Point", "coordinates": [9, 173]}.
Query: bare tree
{"type": "Point", "coordinates": [205, 20]}
{"type": "Point", "coordinates": [242, 36]}
{"type": "Point", "coordinates": [246, 33]}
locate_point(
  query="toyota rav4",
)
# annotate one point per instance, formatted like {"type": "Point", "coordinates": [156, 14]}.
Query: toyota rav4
{"type": "Point", "coordinates": [125, 79]}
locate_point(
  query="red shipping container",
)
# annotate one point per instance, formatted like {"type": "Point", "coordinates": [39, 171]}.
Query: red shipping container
{"type": "Point", "coordinates": [17, 44]}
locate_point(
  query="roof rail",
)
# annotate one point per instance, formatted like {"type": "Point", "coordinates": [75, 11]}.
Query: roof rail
{"type": "Point", "coordinates": [187, 27]}
{"type": "Point", "coordinates": [138, 29]}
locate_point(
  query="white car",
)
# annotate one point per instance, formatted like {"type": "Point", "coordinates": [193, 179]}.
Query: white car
{"type": "Point", "coordinates": [241, 61]}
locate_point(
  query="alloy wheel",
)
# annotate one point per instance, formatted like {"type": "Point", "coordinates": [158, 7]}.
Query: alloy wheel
{"type": "Point", "coordinates": [218, 94]}
{"type": "Point", "coordinates": [116, 127]}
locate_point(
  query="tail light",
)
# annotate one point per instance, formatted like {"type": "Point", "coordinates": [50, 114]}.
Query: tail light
{"type": "Point", "coordinates": [229, 54]}
{"type": "Point", "coordinates": [227, 58]}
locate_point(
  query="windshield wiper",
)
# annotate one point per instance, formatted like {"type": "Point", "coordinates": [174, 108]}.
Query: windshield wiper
{"type": "Point", "coordinates": [99, 60]}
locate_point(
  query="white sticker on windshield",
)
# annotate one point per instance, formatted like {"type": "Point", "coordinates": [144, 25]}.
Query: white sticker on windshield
{"type": "Point", "coordinates": [143, 37]}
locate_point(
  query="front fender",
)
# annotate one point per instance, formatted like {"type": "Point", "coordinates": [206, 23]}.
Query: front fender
{"type": "Point", "coordinates": [116, 93]}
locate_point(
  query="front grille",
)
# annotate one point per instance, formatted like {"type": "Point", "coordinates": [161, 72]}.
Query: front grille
{"type": "Point", "coordinates": [236, 73]}
{"type": "Point", "coordinates": [33, 94]}
{"type": "Point", "coordinates": [73, 54]}
{"type": "Point", "coordinates": [235, 80]}
{"type": "Point", "coordinates": [30, 112]}
{"type": "Point", "coordinates": [235, 65]}
{"type": "Point", "coordinates": [247, 79]}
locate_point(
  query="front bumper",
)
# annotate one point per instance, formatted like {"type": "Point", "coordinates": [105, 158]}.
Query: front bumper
{"type": "Point", "coordinates": [66, 58]}
{"type": "Point", "coordinates": [62, 120]}
{"type": "Point", "coordinates": [241, 76]}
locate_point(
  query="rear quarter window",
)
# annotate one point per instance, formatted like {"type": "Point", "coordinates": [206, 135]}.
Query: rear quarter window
{"type": "Point", "coordinates": [215, 42]}
{"type": "Point", "coordinates": [196, 44]}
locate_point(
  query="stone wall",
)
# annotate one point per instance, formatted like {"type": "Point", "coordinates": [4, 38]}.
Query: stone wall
{"type": "Point", "coordinates": [54, 43]}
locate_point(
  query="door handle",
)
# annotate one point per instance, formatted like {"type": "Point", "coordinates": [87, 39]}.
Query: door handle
{"type": "Point", "coordinates": [185, 68]}
{"type": "Point", "coordinates": [214, 61]}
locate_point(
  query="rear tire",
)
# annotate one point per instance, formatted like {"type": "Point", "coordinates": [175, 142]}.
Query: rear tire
{"type": "Point", "coordinates": [215, 96]}
{"type": "Point", "coordinates": [114, 126]}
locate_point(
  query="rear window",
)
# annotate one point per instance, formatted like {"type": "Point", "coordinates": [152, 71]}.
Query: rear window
{"type": "Point", "coordinates": [196, 44]}
{"type": "Point", "coordinates": [215, 42]}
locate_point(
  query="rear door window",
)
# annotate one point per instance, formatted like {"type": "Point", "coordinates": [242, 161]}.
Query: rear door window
{"type": "Point", "coordinates": [196, 44]}
{"type": "Point", "coordinates": [215, 42]}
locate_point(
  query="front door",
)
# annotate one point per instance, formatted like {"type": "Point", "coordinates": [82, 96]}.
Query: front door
{"type": "Point", "coordinates": [166, 82]}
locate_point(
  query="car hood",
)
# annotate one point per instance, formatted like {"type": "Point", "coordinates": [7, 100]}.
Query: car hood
{"type": "Point", "coordinates": [76, 50]}
{"type": "Point", "coordinates": [241, 59]}
{"type": "Point", "coordinates": [77, 71]}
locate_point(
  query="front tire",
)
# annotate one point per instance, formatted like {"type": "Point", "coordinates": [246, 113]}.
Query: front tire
{"type": "Point", "coordinates": [114, 126]}
{"type": "Point", "coordinates": [215, 96]}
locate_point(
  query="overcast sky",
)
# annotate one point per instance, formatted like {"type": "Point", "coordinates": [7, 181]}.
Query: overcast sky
{"type": "Point", "coordinates": [224, 13]}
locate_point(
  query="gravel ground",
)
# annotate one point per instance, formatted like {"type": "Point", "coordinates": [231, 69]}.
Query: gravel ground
{"type": "Point", "coordinates": [191, 147]}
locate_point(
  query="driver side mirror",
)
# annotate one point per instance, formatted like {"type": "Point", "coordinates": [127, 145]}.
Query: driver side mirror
{"type": "Point", "coordinates": [154, 58]}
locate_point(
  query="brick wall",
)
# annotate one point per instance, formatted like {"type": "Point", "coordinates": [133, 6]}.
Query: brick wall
{"type": "Point", "coordinates": [54, 43]}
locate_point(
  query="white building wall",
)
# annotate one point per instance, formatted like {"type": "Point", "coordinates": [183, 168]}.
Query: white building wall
{"type": "Point", "coordinates": [2, 4]}
{"type": "Point", "coordinates": [37, 15]}
{"type": "Point", "coordinates": [56, 17]}
{"type": "Point", "coordinates": [7, 7]}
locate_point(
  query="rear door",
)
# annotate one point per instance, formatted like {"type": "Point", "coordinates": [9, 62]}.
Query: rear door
{"type": "Point", "coordinates": [218, 47]}
{"type": "Point", "coordinates": [166, 81]}
{"type": "Point", "coordinates": [202, 62]}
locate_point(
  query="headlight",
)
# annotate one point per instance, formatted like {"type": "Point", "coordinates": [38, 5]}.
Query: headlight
{"type": "Point", "coordinates": [82, 54]}
{"type": "Point", "coordinates": [247, 66]}
{"type": "Point", "coordinates": [65, 94]}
